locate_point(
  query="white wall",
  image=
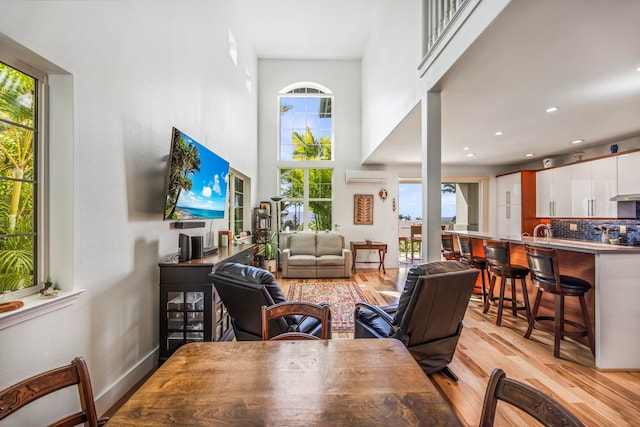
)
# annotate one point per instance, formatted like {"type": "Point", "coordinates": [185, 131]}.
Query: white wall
{"type": "Point", "coordinates": [390, 88]}
{"type": "Point", "coordinates": [343, 79]}
{"type": "Point", "coordinates": [138, 68]}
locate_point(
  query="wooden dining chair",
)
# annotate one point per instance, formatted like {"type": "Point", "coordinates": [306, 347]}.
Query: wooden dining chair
{"type": "Point", "coordinates": [540, 406]}
{"type": "Point", "coordinates": [415, 240]}
{"type": "Point", "coordinates": [15, 397]}
{"type": "Point", "coordinates": [292, 309]}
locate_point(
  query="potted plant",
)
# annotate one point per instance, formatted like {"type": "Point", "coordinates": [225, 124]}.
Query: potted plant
{"type": "Point", "coordinates": [269, 250]}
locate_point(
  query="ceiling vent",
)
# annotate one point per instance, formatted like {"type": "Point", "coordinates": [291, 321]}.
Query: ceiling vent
{"type": "Point", "coordinates": [365, 176]}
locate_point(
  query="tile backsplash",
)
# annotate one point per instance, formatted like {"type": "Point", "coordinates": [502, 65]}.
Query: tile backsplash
{"type": "Point", "coordinates": [588, 229]}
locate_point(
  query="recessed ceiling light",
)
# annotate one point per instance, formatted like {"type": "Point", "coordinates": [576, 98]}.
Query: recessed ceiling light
{"type": "Point", "coordinates": [638, 69]}
{"type": "Point", "coordinates": [577, 141]}
{"type": "Point", "coordinates": [552, 109]}
{"type": "Point", "coordinates": [529, 155]}
{"type": "Point", "coordinates": [467, 148]}
{"type": "Point", "coordinates": [471, 154]}
{"type": "Point", "coordinates": [499, 133]}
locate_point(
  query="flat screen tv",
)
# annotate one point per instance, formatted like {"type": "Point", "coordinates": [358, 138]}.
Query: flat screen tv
{"type": "Point", "coordinates": [197, 183]}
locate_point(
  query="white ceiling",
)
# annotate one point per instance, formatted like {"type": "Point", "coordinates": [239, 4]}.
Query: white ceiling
{"type": "Point", "coordinates": [305, 29]}
{"type": "Point", "coordinates": [578, 55]}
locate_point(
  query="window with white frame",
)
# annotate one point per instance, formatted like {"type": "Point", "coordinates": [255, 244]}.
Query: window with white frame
{"type": "Point", "coordinates": [236, 204]}
{"type": "Point", "coordinates": [305, 161]}
{"type": "Point", "coordinates": [21, 237]}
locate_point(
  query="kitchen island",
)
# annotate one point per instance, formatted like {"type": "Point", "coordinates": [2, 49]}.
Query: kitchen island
{"type": "Point", "coordinates": [614, 300]}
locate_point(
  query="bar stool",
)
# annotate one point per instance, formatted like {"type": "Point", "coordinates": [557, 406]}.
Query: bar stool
{"type": "Point", "coordinates": [498, 259]}
{"type": "Point", "coordinates": [448, 250]}
{"type": "Point", "coordinates": [479, 263]}
{"type": "Point", "coordinates": [545, 273]}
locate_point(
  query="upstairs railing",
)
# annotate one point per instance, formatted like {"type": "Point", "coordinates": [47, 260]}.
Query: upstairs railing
{"type": "Point", "coordinates": [441, 19]}
{"type": "Point", "coordinates": [438, 16]}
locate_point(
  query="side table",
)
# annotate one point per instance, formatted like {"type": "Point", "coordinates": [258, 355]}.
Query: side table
{"type": "Point", "coordinates": [370, 246]}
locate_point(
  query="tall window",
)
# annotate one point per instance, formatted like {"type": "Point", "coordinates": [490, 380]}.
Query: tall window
{"type": "Point", "coordinates": [236, 205]}
{"type": "Point", "coordinates": [18, 179]}
{"type": "Point", "coordinates": [306, 158]}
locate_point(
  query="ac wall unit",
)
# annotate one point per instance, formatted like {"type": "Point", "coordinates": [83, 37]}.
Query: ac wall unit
{"type": "Point", "coordinates": [365, 176]}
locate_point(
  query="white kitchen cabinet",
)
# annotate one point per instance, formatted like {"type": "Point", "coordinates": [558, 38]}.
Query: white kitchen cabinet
{"type": "Point", "coordinates": [509, 221]}
{"type": "Point", "coordinates": [509, 189]}
{"type": "Point", "coordinates": [509, 211]}
{"type": "Point", "coordinates": [628, 174]}
{"type": "Point", "coordinates": [604, 187]}
{"type": "Point", "coordinates": [553, 192]}
{"type": "Point", "coordinates": [592, 186]}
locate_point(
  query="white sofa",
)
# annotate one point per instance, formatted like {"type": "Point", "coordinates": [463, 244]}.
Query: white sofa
{"type": "Point", "coordinates": [315, 255]}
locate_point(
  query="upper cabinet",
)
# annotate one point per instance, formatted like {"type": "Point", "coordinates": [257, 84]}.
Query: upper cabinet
{"type": "Point", "coordinates": [553, 192]}
{"type": "Point", "coordinates": [509, 188]}
{"type": "Point", "coordinates": [593, 184]}
{"type": "Point", "coordinates": [628, 181]}
{"type": "Point", "coordinates": [585, 189]}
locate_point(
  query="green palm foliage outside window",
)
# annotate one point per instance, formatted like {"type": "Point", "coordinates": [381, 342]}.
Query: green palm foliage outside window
{"type": "Point", "coordinates": [306, 129]}
{"type": "Point", "coordinates": [18, 136]}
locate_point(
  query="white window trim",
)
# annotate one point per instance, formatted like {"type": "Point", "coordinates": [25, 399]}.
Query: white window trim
{"type": "Point", "coordinates": [58, 176]}
{"type": "Point", "coordinates": [305, 194]}
{"type": "Point", "coordinates": [300, 85]}
{"type": "Point", "coordinates": [35, 306]}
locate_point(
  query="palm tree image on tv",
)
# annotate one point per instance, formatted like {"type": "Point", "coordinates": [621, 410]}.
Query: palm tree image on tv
{"type": "Point", "coordinates": [197, 184]}
{"type": "Point", "coordinates": [17, 180]}
{"type": "Point", "coordinates": [185, 162]}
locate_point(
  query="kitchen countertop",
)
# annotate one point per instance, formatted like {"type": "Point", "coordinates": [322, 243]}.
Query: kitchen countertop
{"type": "Point", "coordinates": [567, 244]}
{"type": "Point", "coordinates": [614, 272]}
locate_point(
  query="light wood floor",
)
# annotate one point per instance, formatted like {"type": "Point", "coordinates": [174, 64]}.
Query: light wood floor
{"type": "Point", "coordinates": [597, 398]}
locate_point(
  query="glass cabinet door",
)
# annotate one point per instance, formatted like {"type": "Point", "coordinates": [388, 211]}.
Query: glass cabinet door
{"type": "Point", "coordinates": [185, 318]}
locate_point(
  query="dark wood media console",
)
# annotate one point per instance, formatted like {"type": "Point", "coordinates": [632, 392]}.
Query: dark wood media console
{"type": "Point", "coordinates": [190, 310]}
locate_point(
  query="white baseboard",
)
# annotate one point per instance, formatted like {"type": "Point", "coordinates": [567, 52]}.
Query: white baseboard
{"type": "Point", "coordinates": [123, 384]}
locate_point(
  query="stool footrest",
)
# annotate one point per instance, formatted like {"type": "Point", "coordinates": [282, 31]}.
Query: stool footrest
{"type": "Point", "coordinates": [580, 332]}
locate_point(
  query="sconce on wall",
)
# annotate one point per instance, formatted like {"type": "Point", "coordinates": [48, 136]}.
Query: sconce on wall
{"type": "Point", "coordinates": [383, 194]}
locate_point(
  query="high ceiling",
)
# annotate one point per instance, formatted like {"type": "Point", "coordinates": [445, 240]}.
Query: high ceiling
{"type": "Point", "coordinates": [580, 56]}
{"type": "Point", "coordinates": [304, 29]}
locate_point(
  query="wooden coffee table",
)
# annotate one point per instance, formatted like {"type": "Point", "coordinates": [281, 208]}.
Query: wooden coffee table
{"type": "Point", "coordinates": [372, 382]}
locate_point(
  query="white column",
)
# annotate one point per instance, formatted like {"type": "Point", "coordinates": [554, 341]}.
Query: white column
{"type": "Point", "coordinates": [431, 177]}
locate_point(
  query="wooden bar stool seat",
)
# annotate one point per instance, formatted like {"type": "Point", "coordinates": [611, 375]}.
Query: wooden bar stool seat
{"type": "Point", "coordinates": [545, 274]}
{"type": "Point", "coordinates": [479, 263]}
{"type": "Point", "coordinates": [498, 259]}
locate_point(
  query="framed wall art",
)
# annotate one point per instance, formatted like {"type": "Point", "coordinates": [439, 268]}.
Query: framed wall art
{"type": "Point", "coordinates": [363, 209]}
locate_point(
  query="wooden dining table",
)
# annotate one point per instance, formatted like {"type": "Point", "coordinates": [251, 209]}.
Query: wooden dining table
{"type": "Point", "coordinates": [354, 382]}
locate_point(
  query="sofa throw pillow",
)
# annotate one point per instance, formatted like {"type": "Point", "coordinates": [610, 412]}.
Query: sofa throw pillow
{"type": "Point", "coordinates": [328, 244]}
{"type": "Point", "coordinates": [302, 244]}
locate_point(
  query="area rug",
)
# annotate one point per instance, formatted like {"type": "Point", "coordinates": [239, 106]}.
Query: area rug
{"type": "Point", "coordinates": [342, 296]}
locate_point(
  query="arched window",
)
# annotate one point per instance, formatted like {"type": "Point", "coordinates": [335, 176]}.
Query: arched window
{"type": "Point", "coordinates": [305, 135]}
